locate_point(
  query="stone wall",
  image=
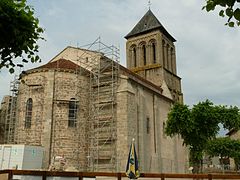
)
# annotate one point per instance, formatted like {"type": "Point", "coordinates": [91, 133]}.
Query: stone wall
{"type": "Point", "coordinates": [69, 142]}
{"type": "Point", "coordinates": [7, 119]}
{"type": "Point", "coordinates": [174, 84]}
{"type": "Point", "coordinates": [51, 92]}
{"type": "Point", "coordinates": [39, 87]}
{"type": "Point", "coordinates": [164, 67]}
{"type": "Point", "coordinates": [141, 114]}
{"type": "Point", "coordinates": [145, 115]}
{"type": "Point", "coordinates": [4, 110]}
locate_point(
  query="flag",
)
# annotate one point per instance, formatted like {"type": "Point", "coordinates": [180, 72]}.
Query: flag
{"type": "Point", "coordinates": [132, 171]}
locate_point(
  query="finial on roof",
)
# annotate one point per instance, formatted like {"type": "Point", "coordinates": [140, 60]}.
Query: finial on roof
{"type": "Point", "coordinates": [149, 4]}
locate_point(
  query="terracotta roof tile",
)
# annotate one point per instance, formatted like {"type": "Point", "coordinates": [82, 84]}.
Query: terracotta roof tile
{"type": "Point", "coordinates": [61, 63]}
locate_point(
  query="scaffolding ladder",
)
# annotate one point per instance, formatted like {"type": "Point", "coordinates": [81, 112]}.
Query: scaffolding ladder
{"type": "Point", "coordinates": [100, 126]}
{"type": "Point", "coordinates": [9, 130]}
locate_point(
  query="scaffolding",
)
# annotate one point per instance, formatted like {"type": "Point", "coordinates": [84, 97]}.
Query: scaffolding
{"type": "Point", "coordinates": [100, 127]}
{"type": "Point", "coordinates": [9, 128]}
{"type": "Point", "coordinates": [96, 86]}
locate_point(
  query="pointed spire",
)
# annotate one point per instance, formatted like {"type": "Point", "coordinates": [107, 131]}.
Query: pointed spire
{"type": "Point", "coordinates": [148, 23]}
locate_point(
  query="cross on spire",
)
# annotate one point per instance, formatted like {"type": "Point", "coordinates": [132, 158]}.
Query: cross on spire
{"type": "Point", "coordinates": [149, 4]}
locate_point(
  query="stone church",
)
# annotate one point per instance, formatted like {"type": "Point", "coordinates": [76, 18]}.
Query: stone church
{"type": "Point", "coordinates": [86, 107]}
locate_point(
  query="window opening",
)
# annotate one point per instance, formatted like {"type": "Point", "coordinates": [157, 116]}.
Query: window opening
{"type": "Point", "coordinates": [28, 113]}
{"type": "Point", "coordinates": [154, 52]}
{"type": "Point", "coordinates": [144, 55]}
{"type": "Point", "coordinates": [163, 53]}
{"type": "Point", "coordinates": [134, 57]}
{"type": "Point", "coordinates": [72, 112]}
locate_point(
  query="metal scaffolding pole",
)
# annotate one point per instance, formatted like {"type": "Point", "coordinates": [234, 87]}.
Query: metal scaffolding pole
{"type": "Point", "coordinates": [10, 120]}
{"type": "Point", "coordinates": [100, 126]}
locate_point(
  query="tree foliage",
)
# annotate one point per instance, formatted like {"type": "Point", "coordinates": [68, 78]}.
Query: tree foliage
{"type": "Point", "coordinates": [228, 8]}
{"type": "Point", "coordinates": [199, 125]}
{"type": "Point", "coordinates": [230, 117]}
{"type": "Point", "coordinates": [19, 32]}
{"type": "Point", "coordinates": [223, 147]}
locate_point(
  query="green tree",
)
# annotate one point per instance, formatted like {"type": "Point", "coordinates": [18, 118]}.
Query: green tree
{"type": "Point", "coordinates": [199, 125]}
{"type": "Point", "coordinates": [237, 161]}
{"type": "Point", "coordinates": [232, 118]}
{"type": "Point", "coordinates": [228, 8]}
{"type": "Point", "coordinates": [19, 33]}
{"type": "Point", "coordinates": [224, 147]}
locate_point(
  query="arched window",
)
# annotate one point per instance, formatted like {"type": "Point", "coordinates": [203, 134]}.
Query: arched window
{"type": "Point", "coordinates": [72, 112]}
{"type": "Point", "coordinates": [154, 53]}
{"type": "Point", "coordinates": [163, 53]}
{"type": "Point", "coordinates": [134, 57]}
{"type": "Point", "coordinates": [172, 60]}
{"type": "Point", "coordinates": [167, 58]}
{"type": "Point", "coordinates": [144, 55]}
{"type": "Point", "coordinates": [28, 113]}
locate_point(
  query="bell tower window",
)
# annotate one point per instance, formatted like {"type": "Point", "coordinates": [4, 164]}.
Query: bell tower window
{"type": "Point", "coordinates": [154, 52]}
{"type": "Point", "coordinates": [144, 55]}
{"type": "Point", "coordinates": [134, 57]}
{"type": "Point", "coordinates": [163, 53]}
{"type": "Point", "coordinates": [172, 60]}
{"type": "Point", "coordinates": [167, 58]}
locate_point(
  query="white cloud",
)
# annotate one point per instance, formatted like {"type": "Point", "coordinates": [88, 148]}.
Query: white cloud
{"type": "Point", "coordinates": [207, 51]}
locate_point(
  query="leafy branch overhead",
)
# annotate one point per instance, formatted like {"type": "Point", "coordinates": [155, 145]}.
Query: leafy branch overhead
{"type": "Point", "coordinates": [20, 32]}
{"type": "Point", "coordinates": [228, 8]}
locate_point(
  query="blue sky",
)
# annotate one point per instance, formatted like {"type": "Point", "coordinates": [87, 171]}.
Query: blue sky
{"type": "Point", "coordinates": [207, 51]}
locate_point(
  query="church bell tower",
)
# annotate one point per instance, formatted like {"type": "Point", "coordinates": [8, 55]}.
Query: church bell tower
{"type": "Point", "coordinates": [151, 54]}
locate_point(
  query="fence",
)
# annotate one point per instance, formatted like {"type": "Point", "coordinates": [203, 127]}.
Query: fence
{"type": "Point", "coordinates": [45, 175]}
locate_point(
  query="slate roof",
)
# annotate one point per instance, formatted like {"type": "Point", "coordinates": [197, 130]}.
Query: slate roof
{"type": "Point", "coordinates": [148, 23]}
